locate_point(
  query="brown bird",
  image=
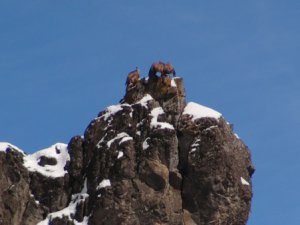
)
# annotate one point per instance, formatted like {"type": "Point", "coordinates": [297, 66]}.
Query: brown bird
{"type": "Point", "coordinates": [133, 77]}
{"type": "Point", "coordinates": [155, 68]}
{"type": "Point", "coordinates": [163, 68]}
{"type": "Point", "coordinates": [169, 69]}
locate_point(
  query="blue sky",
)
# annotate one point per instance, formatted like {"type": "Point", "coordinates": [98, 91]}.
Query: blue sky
{"type": "Point", "coordinates": [61, 62]}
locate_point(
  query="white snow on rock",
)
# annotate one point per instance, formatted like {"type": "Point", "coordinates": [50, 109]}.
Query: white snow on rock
{"type": "Point", "coordinates": [101, 141]}
{"type": "Point", "coordinates": [210, 128]}
{"type": "Point", "coordinates": [32, 196]}
{"type": "Point", "coordinates": [103, 184]}
{"type": "Point", "coordinates": [195, 145]}
{"type": "Point", "coordinates": [244, 182]}
{"type": "Point", "coordinates": [70, 210]}
{"type": "Point", "coordinates": [193, 150]}
{"type": "Point", "coordinates": [173, 83]}
{"type": "Point", "coordinates": [198, 111]}
{"type": "Point", "coordinates": [145, 100]}
{"type": "Point", "coordinates": [124, 139]}
{"type": "Point", "coordinates": [5, 145]}
{"type": "Point", "coordinates": [111, 110]}
{"type": "Point", "coordinates": [120, 154]}
{"type": "Point", "coordinates": [84, 189]}
{"type": "Point", "coordinates": [145, 144]}
{"type": "Point", "coordinates": [155, 124]}
{"type": "Point", "coordinates": [123, 136]}
{"type": "Point", "coordinates": [58, 151]}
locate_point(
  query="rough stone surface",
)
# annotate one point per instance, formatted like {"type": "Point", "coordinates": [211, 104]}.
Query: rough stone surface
{"type": "Point", "coordinates": [14, 191]}
{"type": "Point", "coordinates": [139, 162]}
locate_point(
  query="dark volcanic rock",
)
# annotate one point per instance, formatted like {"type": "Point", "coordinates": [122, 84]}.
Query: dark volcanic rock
{"type": "Point", "coordinates": [214, 166]}
{"type": "Point", "coordinates": [14, 191]}
{"type": "Point", "coordinates": [152, 159]}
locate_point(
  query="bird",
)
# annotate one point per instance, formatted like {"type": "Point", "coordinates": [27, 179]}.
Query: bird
{"type": "Point", "coordinates": [133, 77]}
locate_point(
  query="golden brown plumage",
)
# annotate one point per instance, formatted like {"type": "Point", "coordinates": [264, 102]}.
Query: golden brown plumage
{"type": "Point", "coordinates": [133, 77]}
{"type": "Point", "coordinates": [163, 68]}
{"type": "Point", "coordinates": [169, 69]}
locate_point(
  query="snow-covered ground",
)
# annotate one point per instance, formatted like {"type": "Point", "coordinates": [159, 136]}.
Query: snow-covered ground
{"type": "Point", "coordinates": [154, 121]}
{"type": "Point", "coordinates": [144, 101]}
{"type": "Point", "coordinates": [198, 111]}
{"type": "Point", "coordinates": [59, 152]}
{"type": "Point", "coordinates": [5, 145]}
{"type": "Point", "coordinates": [103, 184]}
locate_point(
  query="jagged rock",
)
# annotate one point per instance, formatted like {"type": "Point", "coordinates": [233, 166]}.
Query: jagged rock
{"type": "Point", "coordinates": [216, 162]}
{"type": "Point", "coordinates": [76, 164]}
{"type": "Point", "coordinates": [152, 159]}
{"type": "Point", "coordinates": [14, 183]}
{"type": "Point", "coordinates": [52, 193]}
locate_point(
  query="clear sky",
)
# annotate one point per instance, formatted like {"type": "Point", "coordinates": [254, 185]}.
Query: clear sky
{"type": "Point", "coordinates": [62, 61]}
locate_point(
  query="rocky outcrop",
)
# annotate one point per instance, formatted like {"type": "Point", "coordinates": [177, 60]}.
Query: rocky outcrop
{"type": "Point", "coordinates": [151, 159]}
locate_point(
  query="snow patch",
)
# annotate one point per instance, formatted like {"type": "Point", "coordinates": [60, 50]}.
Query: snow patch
{"type": "Point", "coordinates": [36, 201]}
{"type": "Point", "coordinates": [193, 150]}
{"type": "Point", "coordinates": [5, 145]}
{"type": "Point", "coordinates": [173, 83]}
{"type": "Point", "coordinates": [244, 182]}
{"type": "Point", "coordinates": [124, 139]}
{"type": "Point", "coordinates": [195, 145]}
{"type": "Point", "coordinates": [111, 110]}
{"type": "Point", "coordinates": [70, 210]}
{"type": "Point", "coordinates": [155, 124]}
{"type": "Point", "coordinates": [84, 189]}
{"type": "Point", "coordinates": [145, 100]}
{"type": "Point", "coordinates": [145, 144]}
{"type": "Point", "coordinates": [59, 152]}
{"type": "Point", "coordinates": [210, 128]}
{"type": "Point", "coordinates": [198, 111]}
{"type": "Point", "coordinates": [84, 221]}
{"type": "Point", "coordinates": [120, 154]}
{"type": "Point", "coordinates": [101, 141]}
{"type": "Point", "coordinates": [123, 135]}
{"type": "Point", "coordinates": [103, 184]}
